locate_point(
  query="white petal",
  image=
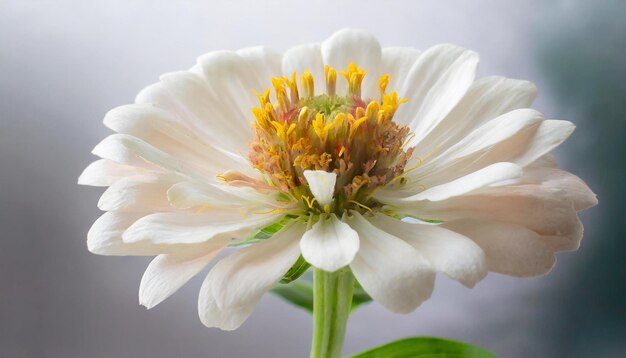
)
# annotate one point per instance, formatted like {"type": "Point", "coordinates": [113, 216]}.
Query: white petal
{"type": "Point", "coordinates": [236, 284]}
{"type": "Point", "coordinates": [138, 193]}
{"type": "Point", "coordinates": [264, 63]}
{"type": "Point", "coordinates": [547, 161]}
{"type": "Point", "coordinates": [169, 272]}
{"type": "Point", "coordinates": [306, 57]}
{"type": "Point", "coordinates": [223, 115]}
{"type": "Point", "coordinates": [510, 249]}
{"type": "Point", "coordinates": [549, 135]}
{"type": "Point", "coordinates": [166, 132]}
{"type": "Point", "coordinates": [486, 99]}
{"type": "Point", "coordinates": [330, 244]}
{"type": "Point", "coordinates": [492, 174]}
{"type": "Point", "coordinates": [454, 254]}
{"type": "Point", "coordinates": [105, 236]}
{"type": "Point", "coordinates": [493, 132]}
{"type": "Point", "coordinates": [354, 46]}
{"type": "Point", "coordinates": [472, 152]}
{"type": "Point", "coordinates": [185, 195]}
{"type": "Point", "coordinates": [550, 214]}
{"type": "Point", "coordinates": [104, 172]}
{"type": "Point", "coordinates": [128, 150]}
{"type": "Point", "coordinates": [553, 178]}
{"type": "Point", "coordinates": [391, 271]}
{"type": "Point", "coordinates": [322, 185]}
{"type": "Point", "coordinates": [188, 228]}
{"type": "Point", "coordinates": [397, 62]}
{"type": "Point", "coordinates": [436, 82]}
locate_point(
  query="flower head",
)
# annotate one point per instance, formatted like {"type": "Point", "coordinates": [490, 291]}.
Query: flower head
{"type": "Point", "coordinates": [334, 144]}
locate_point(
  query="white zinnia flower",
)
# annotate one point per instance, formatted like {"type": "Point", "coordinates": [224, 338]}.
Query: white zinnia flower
{"type": "Point", "coordinates": [338, 162]}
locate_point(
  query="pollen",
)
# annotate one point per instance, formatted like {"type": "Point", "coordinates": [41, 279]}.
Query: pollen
{"type": "Point", "coordinates": [353, 136]}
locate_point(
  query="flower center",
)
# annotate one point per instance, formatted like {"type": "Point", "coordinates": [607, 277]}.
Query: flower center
{"type": "Point", "coordinates": [354, 137]}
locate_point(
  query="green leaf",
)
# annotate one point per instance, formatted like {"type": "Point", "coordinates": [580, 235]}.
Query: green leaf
{"type": "Point", "coordinates": [266, 232]}
{"type": "Point", "coordinates": [359, 296]}
{"type": "Point", "coordinates": [425, 347]}
{"type": "Point", "coordinates": [299, 293]}
{"type": "Point", "coordinates": [296, 270]}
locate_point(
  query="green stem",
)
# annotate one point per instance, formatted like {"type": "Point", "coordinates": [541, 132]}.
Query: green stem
{"type": "Point", "coordinates": [332, 299]}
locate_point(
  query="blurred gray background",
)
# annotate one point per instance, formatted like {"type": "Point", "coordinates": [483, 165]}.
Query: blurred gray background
{"type": "Point", "coordinates": [63, 64]}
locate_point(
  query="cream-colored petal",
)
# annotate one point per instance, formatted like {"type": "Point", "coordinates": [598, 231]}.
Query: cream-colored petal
{"type": "Point", "coordinates": [236, 284]}
{"type": "Point", "coordinates": [510, 249]}
{"type": "Point", "coordinates": [169, 272]}
{"type": "Point", "coordinates": [436, 82]}
{"type": "Point", "coordinates": [306, 57]}
{"type": "Point", "coordinates": [492, 174]}
{"type": "Point", "coordinates": [574, 188]}
{"type": "Point", "coordinates": [189, 194]}
{"type": "Point", "coordinates": [129, 150]}
{"type": "Point", "coordinates": [486, 99]}
{"type": "Point", "coordinates": [224, 115]}
{"type": "Point", "coordinates": [354, 46]}
{"type": "Point", "coordinates": [550, 214]}
{"type": "Point", "coordinates": [104, 172]}
{"type": "Point", "coordinates": [105, 236]}
{"type": "Point", "coordinates": [447, 251]}
{"type": "Point", "coordinates": [322, 185]}
{"type": "Point", "coordinates": [391, 271]}
{"type": "Point", "coordinates": [138, 193]}
{"type": "Point", "coordinates": [470, 153]}
{"type": "Point", "coordinates": [165, 131]}
{"type": "Point", "coordinates": [190, 228]}
{"type": "Point", "coordinates": [330, 244]}
{"type": "Point", "coordinates": [397, 62]}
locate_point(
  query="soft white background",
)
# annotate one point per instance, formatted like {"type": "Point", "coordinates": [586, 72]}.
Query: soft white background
{"type": "Point", "coordinates": [63, 64]}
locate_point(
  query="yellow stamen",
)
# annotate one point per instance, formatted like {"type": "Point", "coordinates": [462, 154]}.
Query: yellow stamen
{"type": "Point", "coordinates": [361, 205]}
{"type": "Point", "coordinates": [309, 202]}
{"type": "Point", "coordinates": [293, 88]}
{"type": "Point", "coordinates": [275, 210]}
{"type": "Point", "coordinates": [354, 75]}
{"type": "Point", "coordinates": [383, 82]}
{"type": "Point", "coordinates": [356, 125]}
{"type": "Point", "coordinates": [308, 85]}
{"type": "Point", "coordinates": [330, 75]}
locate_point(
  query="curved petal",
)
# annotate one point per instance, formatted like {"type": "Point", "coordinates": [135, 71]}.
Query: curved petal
{"type": "Point", "coordinates": [510, 249]}
{"type": "Point", "coordinates": [548, 213]}
{"type": "Point", "coordinates": [397, 62]}
{"type": "Point", "coordinates": [264, 63]}
{"type": "Point", "coordinates": [169, 272]}
{"type": "Point", "coordinates": [435, 84]}
{"type": "Point", "coordinates": [492, 174]}
{"type": "Point", "coordinates": [354, 46]}
{"type": "Point", "coordinates": [165, 132]}
{"type": "Point", "coordinates": [104, 172]}
{"type": "Point", "coordinates": [322, 185]}
{"type": "Point", "coordinates": [138, 193]}
{"type": "Point", "coordinates": [306, 57]}
{"type": "Point", "coordinates": [553, 178]}
{"type": "Point", "coordinates": [236, 284]}
{"type": "Point", "coordinates": [188, 194]}
{"type": "Point", "coordinates": [188, 228]}
{"type": "Point", "coordinates": [453, 254]}
{"type": "Point", "coordinates": [330, 244]}
{"type": "Point", "coordinates": [473, 151]}
{"type": "Point", "coordinates": [391, 271]}
{"type": "Point", "coordinates": [486, 99]}
{"type": "Point", "coordinates": [128, 150]}
{"type": "Point", "coordinates": [223, 115]}
{"type": "Point", "coordinates": [105, 236]}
